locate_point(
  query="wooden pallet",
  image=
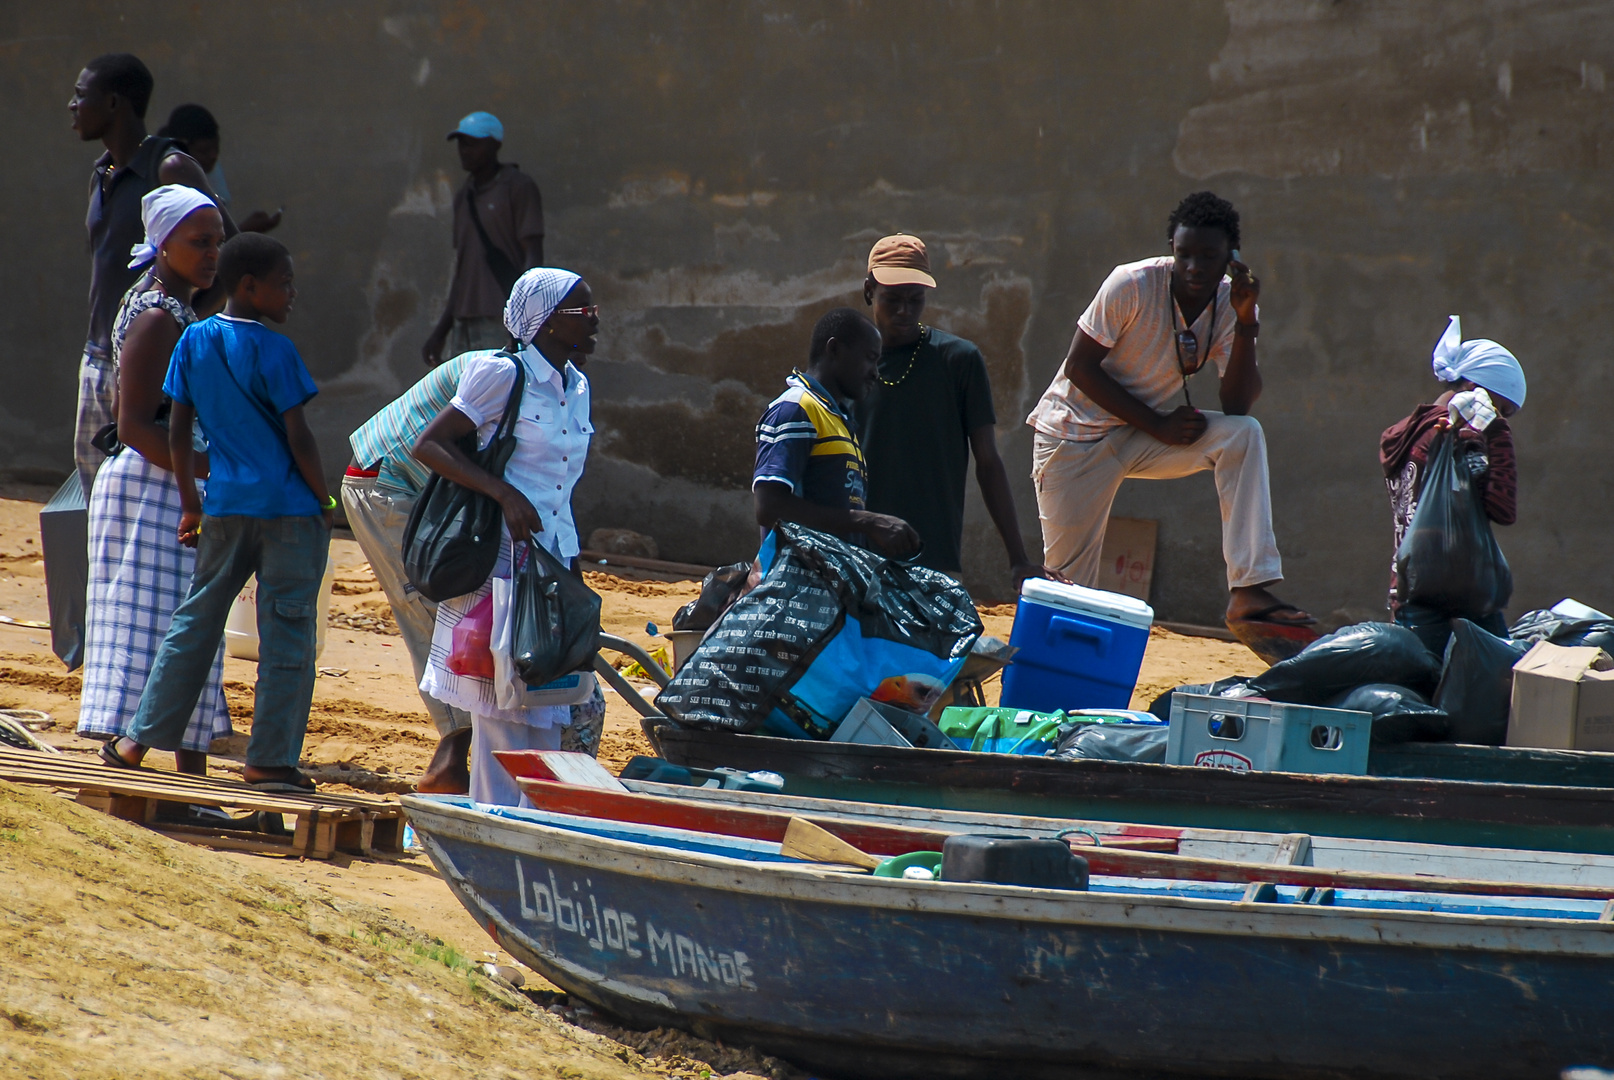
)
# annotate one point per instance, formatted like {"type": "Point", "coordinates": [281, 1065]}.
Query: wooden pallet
{"type": "Point", "coordinates": [326, 822]}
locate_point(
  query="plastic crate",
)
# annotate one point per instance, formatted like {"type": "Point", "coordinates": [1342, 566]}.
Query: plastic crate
{"type": "Point", "coordinates": [1256, 735]}
{"type": "Point", "coordinates": [876, 722]}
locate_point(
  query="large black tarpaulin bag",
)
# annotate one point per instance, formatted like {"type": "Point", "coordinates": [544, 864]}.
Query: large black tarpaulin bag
{"type": "Point", "coordinates": [451, 541]}
{"type": "Point", "coordinates": [828, 624]}
{"type": "Point", "coordinates": [1449, 559]}
{"type": "Point", "coordinates": [64, 536]}
{"type": "Point", "coordinates": [556, 627]}
{"type": "Point", "coordinates": [1351, 656]}
{"type": "Point", "coordinates": [1476, 686]}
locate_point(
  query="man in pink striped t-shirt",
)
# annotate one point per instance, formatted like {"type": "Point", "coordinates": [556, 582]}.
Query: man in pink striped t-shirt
{"type": "Point", "coordinates": [1107, 416]}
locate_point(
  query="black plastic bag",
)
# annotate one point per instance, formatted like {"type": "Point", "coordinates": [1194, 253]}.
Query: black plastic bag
{"type": "Point", "coordinates": [718, 590]}
{"type": "Point", "coordinates": [451, 541]}
{"type": "Point", "coordinates": [1476, 688]}
{"type": "Point", "coordinates": [1449, 559]}
{"type": "Point", "coordinates": [1399, 714]}
{"type": "Point", "coordinates": [1113, 742]}
{"type": "Point", "coordinates": [556, 621]}
{"type": "Point", "coordinates": [1534, 626]}
{"type": "Point", "coordinates": [1351, 656]}
{"type": "Point", "coordinates": [1236, 686]}
{"type": "Point", "coordinates": [829, 623]}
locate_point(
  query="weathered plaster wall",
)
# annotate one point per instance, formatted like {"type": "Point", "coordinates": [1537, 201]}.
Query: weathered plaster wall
{"type": "Point", "coordinates": [717, 171]}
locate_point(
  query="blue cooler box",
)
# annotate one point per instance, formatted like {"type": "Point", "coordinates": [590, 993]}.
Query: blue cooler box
{"type": "Point", "coordinates": [1079, 648]}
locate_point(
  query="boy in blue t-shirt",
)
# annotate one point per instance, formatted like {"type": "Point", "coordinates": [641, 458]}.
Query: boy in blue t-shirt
{"type": "Point", "coordinates": [267, 512]}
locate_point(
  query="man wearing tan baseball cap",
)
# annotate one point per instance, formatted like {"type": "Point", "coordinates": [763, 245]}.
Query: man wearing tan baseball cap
{"type": "Point", "coordinates": [930, 410]}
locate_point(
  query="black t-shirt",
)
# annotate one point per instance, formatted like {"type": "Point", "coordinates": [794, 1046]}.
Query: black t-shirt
{"type": "Point", "coordinates": [114, 226]}
{"type": "Point", "coordinates": [916, 439]}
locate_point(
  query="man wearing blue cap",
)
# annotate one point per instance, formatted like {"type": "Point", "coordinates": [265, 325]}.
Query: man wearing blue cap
{"type": "Point", "coordinates": [498, 236]}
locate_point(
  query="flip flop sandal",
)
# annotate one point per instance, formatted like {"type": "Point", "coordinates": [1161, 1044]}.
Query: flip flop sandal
{"type": "Point", "coordinates": [1261, 616]}
{"type": "Point", "coordinates": [300, 786]}
{"type": "Point", "coordinates": [110, 756]}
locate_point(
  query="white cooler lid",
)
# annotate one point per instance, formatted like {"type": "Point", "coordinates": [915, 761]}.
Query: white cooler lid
{"type": "Point", "coordinates": [1116, 607]}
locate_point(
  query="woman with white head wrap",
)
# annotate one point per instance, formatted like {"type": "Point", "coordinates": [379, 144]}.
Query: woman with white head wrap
{"type": "Point", "coordinates": [1485, 385]}
{"type": "Point", "coordinates": [138, 570]}
{"type": "Point", "coordinates": [554, 323]}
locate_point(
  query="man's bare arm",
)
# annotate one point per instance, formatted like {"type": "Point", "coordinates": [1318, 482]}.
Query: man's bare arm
{"type": "Point", "coordinates": [1084, 368]}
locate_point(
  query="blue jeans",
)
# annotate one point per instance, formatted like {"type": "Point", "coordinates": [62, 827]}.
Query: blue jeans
{"type": "Point", "coordinates": [288, 555]}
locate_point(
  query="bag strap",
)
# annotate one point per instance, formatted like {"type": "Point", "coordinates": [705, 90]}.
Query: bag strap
{"type": "Point", "coordinates": [275, 420]}
{"type": "Point", "coordinates": [512, 407]}
{"type": "Point", "coordinates": [499, 264]}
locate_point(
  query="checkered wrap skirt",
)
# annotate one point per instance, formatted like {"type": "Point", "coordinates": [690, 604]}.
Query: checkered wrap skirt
{"type": "Point", "coordinates": [138, 575]}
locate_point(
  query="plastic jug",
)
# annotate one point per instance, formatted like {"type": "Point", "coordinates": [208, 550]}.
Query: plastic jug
{"type": "Point", "coordinates": [241, 627]}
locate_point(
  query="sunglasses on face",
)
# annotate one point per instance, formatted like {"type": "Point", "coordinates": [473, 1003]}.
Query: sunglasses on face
{"type": "Point", "coordinates": [592, 311]}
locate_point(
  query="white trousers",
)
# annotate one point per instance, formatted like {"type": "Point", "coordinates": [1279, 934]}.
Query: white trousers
{"type": "Point", "coordinates": [490, 783]}
{"type": "Point", "coordinates": [1077, 481]}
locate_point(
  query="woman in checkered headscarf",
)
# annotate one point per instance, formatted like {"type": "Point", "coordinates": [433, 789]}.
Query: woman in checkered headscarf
{"type": "Point", "coordinates": [554, 324]}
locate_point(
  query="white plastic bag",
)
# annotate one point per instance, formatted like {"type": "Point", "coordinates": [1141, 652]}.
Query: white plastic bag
{"type": "Point", "coordinates": [512, 691]}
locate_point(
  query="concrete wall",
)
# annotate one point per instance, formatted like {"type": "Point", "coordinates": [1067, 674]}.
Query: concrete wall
{"type": "Point", "coordinates": [718, 170]}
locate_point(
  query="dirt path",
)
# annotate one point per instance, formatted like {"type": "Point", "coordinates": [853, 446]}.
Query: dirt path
{"type": "Point", "coordinates": [137, 956]}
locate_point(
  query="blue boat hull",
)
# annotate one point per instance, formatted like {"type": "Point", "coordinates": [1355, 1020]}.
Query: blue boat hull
{"type": "Point", "coordinates": [862, 978]}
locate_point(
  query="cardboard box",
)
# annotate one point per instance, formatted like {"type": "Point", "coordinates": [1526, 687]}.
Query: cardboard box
{"type": "Point", "coordinates": [1563, 699]}
{"type": "Point", "coordinates": [1127, 563]}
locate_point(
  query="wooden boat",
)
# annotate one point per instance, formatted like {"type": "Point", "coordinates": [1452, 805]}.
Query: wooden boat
{"type": "Point", "coordinates": [856, 976]}
{"type": "Point", "coordinates": [1110, 847]}
{"type": "Point", "coordinates": [1464, 813]}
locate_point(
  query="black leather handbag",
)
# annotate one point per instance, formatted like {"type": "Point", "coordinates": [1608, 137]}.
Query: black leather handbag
{"type": "Point", "coordinates": [451, 542]}
{"type": "Point", "coordinates": [556, 621]}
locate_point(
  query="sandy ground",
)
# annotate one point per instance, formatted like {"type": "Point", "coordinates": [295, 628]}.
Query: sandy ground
{"type": "Point", "coordinates": [155, 958]}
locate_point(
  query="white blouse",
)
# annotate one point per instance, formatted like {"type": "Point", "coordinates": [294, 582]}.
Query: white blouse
{"type": "Point", "coordinates": [552, 434]}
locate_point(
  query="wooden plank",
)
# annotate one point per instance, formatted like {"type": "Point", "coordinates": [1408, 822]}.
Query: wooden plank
{"type": "Point", "coordinates": [804, 840]}
{"type": "Point", "coordinates": [1493, 764]}
{"type": "Point", "coordinates": [565, 766]}
{"type": "Point", "coordinates": [752, 823]}
{"type": "Point", "coordinates": [128, 807]}
{"type": "Point", "coordinates": [638, 562]}
{"type": "Point", "coordinates": [12, 758]}
{"type": "Point", "coordinates": [156, 785]}
{"type": "Point", "coordinates": [1123, 782]}
{"type": "Point", "coordinates": [1185, 868]}
{"type": "Point", "coordinates": [1293, 850]}
{"type": "Point", "coordinates": [228, 841]}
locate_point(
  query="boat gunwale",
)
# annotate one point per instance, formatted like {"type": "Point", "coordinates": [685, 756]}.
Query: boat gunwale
{"type": "Point", "coordinates": [804, 883]}
{"type": "Point", "coordinates": [943, 819]}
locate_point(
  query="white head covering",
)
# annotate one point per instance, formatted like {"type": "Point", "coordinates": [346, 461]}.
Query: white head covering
{"type": "Point", "coordinates": [1480, 361]}
{"type": "Point", "coordinates": [533, 298]}
{"type": "Point", "coordinates": [161, 210]}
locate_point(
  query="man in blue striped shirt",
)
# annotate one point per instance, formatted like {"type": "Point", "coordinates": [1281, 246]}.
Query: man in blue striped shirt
{"type": "Point", "coordinates": [378, 493]}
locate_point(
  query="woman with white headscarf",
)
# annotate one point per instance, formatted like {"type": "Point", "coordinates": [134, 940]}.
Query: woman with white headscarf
{"type": "Point", "coordinates": [554, 323]}
{"type": "Point", "coordinates": [139, 572]}
{"type": "Point", "coordinates": [1485, 385]}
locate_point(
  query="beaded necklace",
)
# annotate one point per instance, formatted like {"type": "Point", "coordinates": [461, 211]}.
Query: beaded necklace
{"type": "Point", "coordinates": [912, 357]}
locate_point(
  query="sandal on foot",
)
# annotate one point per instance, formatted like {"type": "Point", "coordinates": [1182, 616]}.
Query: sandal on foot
{"type": "Point", "coordinates": [1262, 616]}
{"type": "Point", "coordinates": [110, 756]}
{"type": "Point", "coordinates": [294, 784]}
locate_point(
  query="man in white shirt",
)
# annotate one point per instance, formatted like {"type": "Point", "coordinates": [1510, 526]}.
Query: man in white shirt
{"type": "Point", "coordinates": [1107, 416]}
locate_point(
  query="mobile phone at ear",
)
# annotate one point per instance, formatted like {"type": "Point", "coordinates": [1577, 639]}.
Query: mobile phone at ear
{"type": "Point", "coordinates": [1236, 255]}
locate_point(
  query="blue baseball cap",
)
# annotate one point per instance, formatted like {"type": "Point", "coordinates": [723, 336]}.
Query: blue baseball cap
{"type": "Point", "coordinates": [480, 125]}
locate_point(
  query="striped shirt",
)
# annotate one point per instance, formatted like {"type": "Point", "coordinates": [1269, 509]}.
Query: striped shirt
{"type": "Point", "coordinates": [387, 438]}
{"type": "Point", "coordinates": [806, 441]}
